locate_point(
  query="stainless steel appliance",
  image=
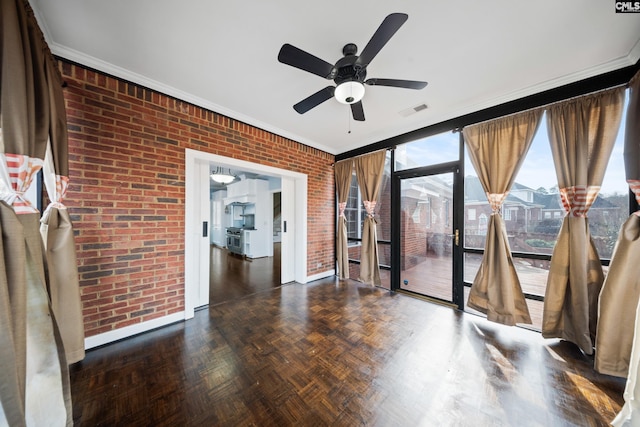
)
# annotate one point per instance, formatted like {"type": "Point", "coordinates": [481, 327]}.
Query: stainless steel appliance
{"type": "Point", "coordinates": [235, 240]}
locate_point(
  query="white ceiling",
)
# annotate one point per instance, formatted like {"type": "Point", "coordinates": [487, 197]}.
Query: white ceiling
{"type": "Point", "coordinates": [223, 55]}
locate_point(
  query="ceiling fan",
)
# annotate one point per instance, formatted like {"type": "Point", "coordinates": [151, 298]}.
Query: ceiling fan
{"type": "Point", "coordinates": [349, 72]}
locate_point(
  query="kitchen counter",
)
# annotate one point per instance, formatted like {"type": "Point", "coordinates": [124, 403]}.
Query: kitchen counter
{"type": "Point", "coordinates": [255, 244]}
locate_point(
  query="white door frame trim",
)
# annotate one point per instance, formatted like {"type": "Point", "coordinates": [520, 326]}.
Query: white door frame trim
{"type": "Point", "coordinates": [192, 271]}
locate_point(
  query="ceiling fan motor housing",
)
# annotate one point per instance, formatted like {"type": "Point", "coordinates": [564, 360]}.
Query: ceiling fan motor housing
{"type": "Point", "coordinates": [349, 78]}
{"type": "Point", "coordinates": [346, 68]}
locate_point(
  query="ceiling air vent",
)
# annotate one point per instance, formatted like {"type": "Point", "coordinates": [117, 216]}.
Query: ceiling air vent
{"type": "Point", "coordinates": [413, 110]}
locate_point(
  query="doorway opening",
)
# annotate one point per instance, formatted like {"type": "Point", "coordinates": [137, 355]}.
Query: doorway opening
{"type": "Point", "coordinates": [429, 238]}
{"type": "Point", "coordinates": [199, 224]}
{"type": "Point", "coordinates": [245, 237]}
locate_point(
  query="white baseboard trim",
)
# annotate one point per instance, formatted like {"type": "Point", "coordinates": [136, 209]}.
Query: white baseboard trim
{"type": "Point", "coordinates": [322, 275]}
{"type": "Point", "coordinates": [131, 330]}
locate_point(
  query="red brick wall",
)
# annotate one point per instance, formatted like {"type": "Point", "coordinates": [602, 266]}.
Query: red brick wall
{"type": "Point", "coordinates": [127, 192]}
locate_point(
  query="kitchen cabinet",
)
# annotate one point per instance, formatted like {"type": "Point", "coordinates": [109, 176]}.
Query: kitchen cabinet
{"type": "Point", "coordinates": [251, 203]}
{"type": "Point", "coordinates": [246, 188]}
{"type": "Point", "coordinates": [250, 248]}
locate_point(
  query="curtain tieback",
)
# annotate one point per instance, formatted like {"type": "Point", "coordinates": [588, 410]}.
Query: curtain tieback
{"type": "Point", "coordinates": [47, 211]}
{"type": "Point", "coordinates": [16, 174]}
{"type": "Point", "coordinates": [371, 218]}
{"type": "Point", "coordinates": [370, 207]}
{"type": "Point", "coordinates": [62, 184]}
{"type": "Point", "coordinates": [342, 206]}
{"type": "Point", "coordinates": [496, 200]}
{"type": "Point", "coordinates": [10, 196]}
{"type": "Point", "coordinates": [577, 199]}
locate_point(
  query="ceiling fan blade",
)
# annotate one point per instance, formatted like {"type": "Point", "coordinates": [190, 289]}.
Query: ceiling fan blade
{"type": "Point", "coordinates": [407, 84]}
{"type": "Point", "coordinates": [357, 111]}
{"type": "Point", "coordinates": [385, 31]}
{"type": "Point", "coordinates": [298, 58]}
{"type": "Point", "coordinates": [314, 100]}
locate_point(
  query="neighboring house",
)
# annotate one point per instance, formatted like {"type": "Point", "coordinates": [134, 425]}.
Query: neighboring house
{"type": "Point", "coordinates": [521, 210]}
{"type": "Point", "coordinates": [602, 211]}
{"type": "Point", "coordinates": [427, 219]}
{"type": "Point", "coordinates": [531, 214]}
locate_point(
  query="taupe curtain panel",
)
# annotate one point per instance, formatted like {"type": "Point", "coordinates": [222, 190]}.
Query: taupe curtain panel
{"type": "Point", "coordinates": [621, 289]}
{"type": "Point", "coordinates": [343, 171]}
{"type": "Point", "coordinates": [629, 415]}
{"type": "Point", "coordinates": [57, 231]}
{"type": "Point", "coordinates": [497, 150]}
{"type": "Point", "coordinates": [370, 170]}
{"type": "Point", "coordinates": [582, 133]}
{"type": "Point", "coordinates": [34, 392]}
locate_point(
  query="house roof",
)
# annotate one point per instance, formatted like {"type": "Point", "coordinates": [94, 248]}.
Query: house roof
{"type": "Point", "coordinates": [474, 192]}
{"type": "Point", "coordinates": [552, 202]}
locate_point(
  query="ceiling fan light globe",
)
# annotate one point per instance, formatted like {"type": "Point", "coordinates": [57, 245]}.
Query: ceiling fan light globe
{"type": "Point", "coordinates": [349, 92]}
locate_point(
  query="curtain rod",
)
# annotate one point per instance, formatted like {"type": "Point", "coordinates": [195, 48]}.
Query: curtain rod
{"type": "Point", "coordinates": [551, 104]}
{"type": "Point", "coordinates": [365, 154]}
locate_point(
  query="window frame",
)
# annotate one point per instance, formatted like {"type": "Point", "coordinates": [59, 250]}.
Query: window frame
{"type": "Point", "coordinates": [603, 81]}
{"type": "Point", "coordinates": [361, 213]}
{"type": "Point", "coordinates": [553, 214]}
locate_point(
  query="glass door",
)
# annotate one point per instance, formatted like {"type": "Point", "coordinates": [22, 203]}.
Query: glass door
{"type": "Point", "coordinates": [429, 236]}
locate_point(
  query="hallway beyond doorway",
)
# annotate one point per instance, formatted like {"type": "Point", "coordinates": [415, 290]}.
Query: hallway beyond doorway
{"type": "Point", "coordinates": [233, 276]}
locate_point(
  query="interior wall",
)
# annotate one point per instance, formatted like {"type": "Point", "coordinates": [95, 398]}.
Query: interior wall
{"type": "Point", "coordinates": [127, 192]}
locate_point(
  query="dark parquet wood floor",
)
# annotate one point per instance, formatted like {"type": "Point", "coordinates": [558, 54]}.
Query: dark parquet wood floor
{"type": "Point", "coordinates": [340, 353]}
{"type": "Point", "coordinates": [233, 276]}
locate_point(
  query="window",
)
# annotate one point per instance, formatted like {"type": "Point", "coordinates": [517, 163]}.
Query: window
{"type": "Point", "coordinates": [482, 224]}
{"type": "Point", "coordinates": [356, 213]}
{"type": "Point", "coordinates": [353, 211]}
{"type": "Point", "coordinates": [441, 148]}
{"type": "Point", "coordinates": [422, 213]}
{"type": "Point", "coordinates": [535, 190]}
{"type": "Point", "coordinates": [471, 214]}
{"type": "Point", "coordinates": [417, 214]}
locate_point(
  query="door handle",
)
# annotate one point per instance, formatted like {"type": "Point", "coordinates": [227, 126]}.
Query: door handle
{"type": "Point", "coordinates": [456, 237]}
{"type": "Point", "coordinates": [284, 226]}
{"type": "Point", "coordinates": [205, 228]}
